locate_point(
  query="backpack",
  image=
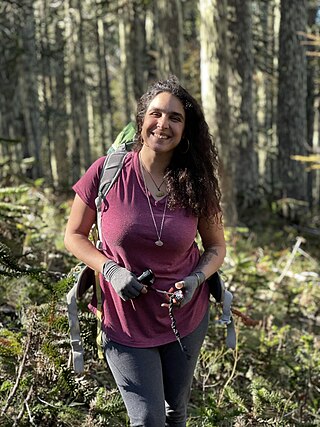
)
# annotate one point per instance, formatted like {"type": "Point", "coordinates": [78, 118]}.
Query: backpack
{"type": "Point", "coordinates": [83, 277]}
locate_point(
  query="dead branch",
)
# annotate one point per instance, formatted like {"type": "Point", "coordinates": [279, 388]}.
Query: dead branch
{"type": "Point", "coordinates": [247, 320]}
{"type": "Point", "coordinates": [20, 371]}
{"type": "Point", "coordinates": [291, 258]}
{"type": "Point", "coordinates": [25, 406]}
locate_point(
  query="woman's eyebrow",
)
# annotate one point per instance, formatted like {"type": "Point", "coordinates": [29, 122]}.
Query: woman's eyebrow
{"type": "Point", "coordinates": [175, 113]}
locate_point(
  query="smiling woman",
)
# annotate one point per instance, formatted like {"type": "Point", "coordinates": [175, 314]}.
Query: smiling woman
{"type": "Point", "coordinates": [161, 132]}
{"type": "Point", "coordinates": [166, 192]}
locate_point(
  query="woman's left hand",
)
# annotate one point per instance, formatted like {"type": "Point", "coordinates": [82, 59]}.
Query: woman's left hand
{"type": "Point", "coordinates": [188, 285]}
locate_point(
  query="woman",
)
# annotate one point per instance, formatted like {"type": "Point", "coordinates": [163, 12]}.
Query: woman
{"type": "Point", "coordinates": [166, 192]}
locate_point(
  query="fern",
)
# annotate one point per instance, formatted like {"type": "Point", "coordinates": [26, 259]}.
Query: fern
{"type": "Point", "coordinates": [9, 191]}
{"type": "Point", "coordinates": [268, 402]}
{"type": "Point", "coordinates": [236, 400]}
{"type": "Point", "coordinates": [10, 267]}
{"type": "Point", "coordinates": [108, 405]}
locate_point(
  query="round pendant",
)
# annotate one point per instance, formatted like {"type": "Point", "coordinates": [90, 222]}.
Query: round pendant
{"type": "Point", "coordinates": [159, 243]}
{"type": "Point", "coordinates": [160, 194]}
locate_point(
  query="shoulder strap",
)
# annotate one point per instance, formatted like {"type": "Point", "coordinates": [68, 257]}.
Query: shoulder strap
{"type": "Point", "coordinates": [110, 171]}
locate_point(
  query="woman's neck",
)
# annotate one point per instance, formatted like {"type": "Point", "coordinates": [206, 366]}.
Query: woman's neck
{"type": "Point", "coordinates": [155, 163]}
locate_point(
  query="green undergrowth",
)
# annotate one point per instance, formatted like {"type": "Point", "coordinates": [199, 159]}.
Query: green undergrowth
{"type": "Point", "coordinates": [272, 378]}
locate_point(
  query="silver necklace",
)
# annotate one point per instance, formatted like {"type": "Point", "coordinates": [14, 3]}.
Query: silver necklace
{"type": "Point", "coordinates": [158, 242]}
{"type": "Point", "coordinates": [160, 193]}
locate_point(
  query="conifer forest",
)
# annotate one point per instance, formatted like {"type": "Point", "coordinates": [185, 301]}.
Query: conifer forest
{"type": "Point", "coordinates": [71, 72]}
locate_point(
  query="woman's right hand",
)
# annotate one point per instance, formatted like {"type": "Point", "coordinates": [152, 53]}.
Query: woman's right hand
{"type": "Point", "coordinates": [123, 281]}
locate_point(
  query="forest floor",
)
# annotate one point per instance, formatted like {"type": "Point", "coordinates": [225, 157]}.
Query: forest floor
{"type": "Point", "coordinates": [271, 378]}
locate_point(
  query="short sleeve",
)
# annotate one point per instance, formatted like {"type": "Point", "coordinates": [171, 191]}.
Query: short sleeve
{"type": "Point", "coordinates": [88, 185]}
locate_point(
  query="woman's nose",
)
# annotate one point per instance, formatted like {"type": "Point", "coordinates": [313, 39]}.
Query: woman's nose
{"type": "Point", "coordinates": [163, 122]}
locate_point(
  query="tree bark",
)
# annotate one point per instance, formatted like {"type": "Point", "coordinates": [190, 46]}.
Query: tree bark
{"type": "Point", "coordinates": [28, 87]}
{"type": "Point", "coordinates": [244, 126]}
{"type": "Point", "coordinates": [60, 117]}
{"type": "Point", "coordinates": [265, 32]}
{"type": "Point", "coordinates": [164, 36]}
{"type": "Point", "coordinates": [312, 73]}
{"type": "Point", "coordinates": [81, 153]}
{"type": "Point", "coordinates": [138, 48]}
{"type": "Point", "coordinates": [214, 60]}
{"type": "Point", "coordinates": [105, 117]}
{"type": "Point", "coordinates": [292, 122]}
{"type": "Point", "coordinates": [46, 80]}
{"type": "Point", "coordinates": [125, 24]}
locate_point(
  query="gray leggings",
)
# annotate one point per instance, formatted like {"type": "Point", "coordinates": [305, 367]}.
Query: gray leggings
{"type": "Point", "coordinates": [155, 382]}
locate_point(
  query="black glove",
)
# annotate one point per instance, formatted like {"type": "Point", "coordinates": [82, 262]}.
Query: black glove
{"type": "Point", "coordinates": [188, 285]}
{"type": "Point", "coordinates": [122, 280]}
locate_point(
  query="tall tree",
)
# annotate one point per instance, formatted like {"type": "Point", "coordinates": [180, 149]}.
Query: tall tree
{"type": "Point", "coordinates": [46, 89]}
{"type": "Point", "coordinates": [169, 37]}
{"type": "Point", "coordinates": [214, 59]}
{"type": "Point", "coordinates": [165, 39]}
{"type": "Point", "coordinates": [81, 155]}
{"type": "Point", "coordinates": [138, 48]}
{"type": "Point", "coordinates": [10, 125]}
{"type": "Point", "coordinates": [292, 94]}
{"type": "Point", "coordinates": [104, 109]}
{"type": "Point", "coordinates": [59, 106]}
{"type": "Point", "coordinates": [266, 17]}
{"type": "Point", "coordinates": [312, 73]}
{"type": "Point", "coordinates": [125, 21]}
{"type": "Point", "coordinates": [28, 87]}
{"type": "Point", "coordinates": [242, 89]}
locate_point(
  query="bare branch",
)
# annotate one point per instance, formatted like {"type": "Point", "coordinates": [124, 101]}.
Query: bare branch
{"type": "Point", "coordinates": [20, 371]}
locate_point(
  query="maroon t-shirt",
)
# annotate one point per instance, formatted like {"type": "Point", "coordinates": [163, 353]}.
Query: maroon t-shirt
{"type": "Point", "coordinates": [128, 238]}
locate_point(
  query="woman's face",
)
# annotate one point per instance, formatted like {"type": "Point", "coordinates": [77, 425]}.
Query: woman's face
{"type": "Point", "coordinates": [164, 123]}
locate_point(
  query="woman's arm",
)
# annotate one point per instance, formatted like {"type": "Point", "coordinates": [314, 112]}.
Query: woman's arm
{"type": "Point", "coordinates": [212, 235]}
{"type": "Point", "coordinates": [81, 219]}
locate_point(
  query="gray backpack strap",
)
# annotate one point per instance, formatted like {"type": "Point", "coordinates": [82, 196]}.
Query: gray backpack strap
{"type": "Point", "coordinates": [227, 319]}
{"type": "Point", "coordinates": [224, 297]}
{"type": "Point", "coordinates": [111, 169]}
{"type": "Point", "coordinates": [75, 338]}
{"type": "Point", "coordinates": [84, 279]}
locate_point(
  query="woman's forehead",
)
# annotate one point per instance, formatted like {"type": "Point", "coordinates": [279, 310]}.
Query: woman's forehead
{"type": "Point", "coordinates": [167, 102]}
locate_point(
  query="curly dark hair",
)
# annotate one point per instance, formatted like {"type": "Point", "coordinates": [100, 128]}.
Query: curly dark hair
{"type": "Point", "coordinates": [192, 177]}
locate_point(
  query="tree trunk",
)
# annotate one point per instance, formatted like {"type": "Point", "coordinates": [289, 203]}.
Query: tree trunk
{"type": "Point", "coordinates": [214, 61]}
{"type": "Point", "coordinates": [125, 16]}
{"type": "Point", "coordinates": [245, 127]}
{"type": "Point", "coordinates": [312, 73]}
{"type": "Point", "coordinates": [292, 123]}
{"type": "Point", "coordinates": [105, 119]}
{"type": "Point", "coordinates": [107, 87]}
{"type": "Point", "coordinates": [10, 109]}
{"type": "Point", "coordinates": [46, 80]}
{"type": "Point", "coordinates": [164, 36]}
{"type": "Point", "coordinates": [266, 30]}
{"type": "Point", "coordinates": [169, 38]}
{"type": "Point", "coordinates": [138, 49]}
{"type": "Point", "coordinates": [81, 155]}
{"type": "Point", "coordinates": [28, 88]}
{"type": "Point", "coordinates": [60, 118]}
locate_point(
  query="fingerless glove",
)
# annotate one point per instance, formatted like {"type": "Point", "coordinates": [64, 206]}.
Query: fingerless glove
{"type": "Point", "coordinates": [191, 283]}
{"type": "Point", "coordinates": [122, 280]}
